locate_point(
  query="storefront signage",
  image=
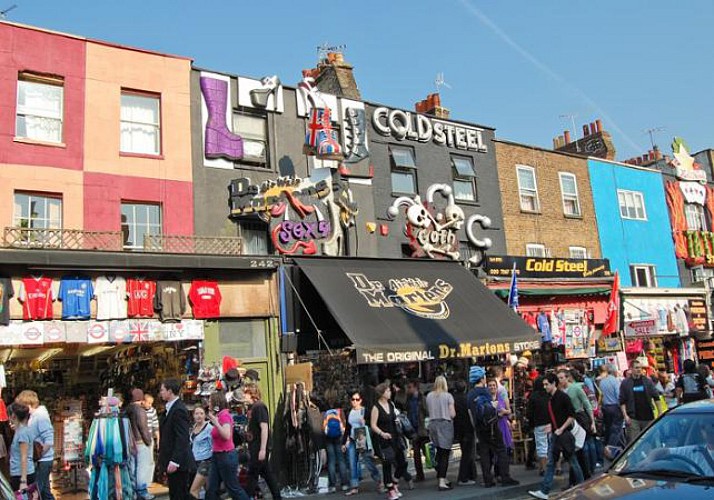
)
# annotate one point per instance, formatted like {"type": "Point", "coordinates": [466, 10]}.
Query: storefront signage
{"type": "Point", "coordinates": [304, 215]}
{"type": "Point", "coordinates": [433, 234]}
{"type": "Point", "coordinates": [698, 313]}
{"type": "Point", "coordinates": [663, 315]}
{"type": "Point", "coordinates": [446, 351]}
{"type": "Point", "coordinates": [641, 328]}
{"type": "Point", "coordinates": [537, 267]}
{"type": "Point", "coordinates": [705, 352]}
{"type": "Point", "coordinates": [694, 247]}
{"type": "Point", "coordinates": [404, 125]}
{"type": "Point", "coordinates": [686, 167]}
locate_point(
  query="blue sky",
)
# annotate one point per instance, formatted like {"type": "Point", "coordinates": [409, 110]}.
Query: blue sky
{"type": "Point", "coordinates": [514, 65]}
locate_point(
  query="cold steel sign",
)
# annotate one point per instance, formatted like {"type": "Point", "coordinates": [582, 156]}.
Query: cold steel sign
{"type": "Point", "coordinates": [537, 267]}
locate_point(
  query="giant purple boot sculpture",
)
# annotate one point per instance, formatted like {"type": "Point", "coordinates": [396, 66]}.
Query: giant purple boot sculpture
{"type": "Point", "coordinates": [220, 141]}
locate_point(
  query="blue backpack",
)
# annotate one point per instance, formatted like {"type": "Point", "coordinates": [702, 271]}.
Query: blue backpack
{"type": "Point", "coordinates": [332, 423]}
{"type": "Point", "coordinates": [483, 413]}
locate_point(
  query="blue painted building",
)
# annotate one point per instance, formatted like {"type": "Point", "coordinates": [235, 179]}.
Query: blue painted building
{"type": "Point", "coordinates": [633, 223]}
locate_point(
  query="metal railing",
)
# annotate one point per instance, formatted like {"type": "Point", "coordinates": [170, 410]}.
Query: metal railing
{"type": "Point", "coordinates": [113, 241]}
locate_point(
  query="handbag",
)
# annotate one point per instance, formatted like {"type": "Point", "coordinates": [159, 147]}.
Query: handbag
{"type": "Point", "coordinates": [583, 419]}
{"type": "Point", "coordinates": [32, 492]}
{"type": "Point", "coordinates": [563, 443]}
{"type": "Point", "coordinates": [404, 426]}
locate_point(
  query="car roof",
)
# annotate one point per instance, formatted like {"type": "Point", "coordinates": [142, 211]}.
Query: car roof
{"type": "Point", "coordinates": [703, 406]}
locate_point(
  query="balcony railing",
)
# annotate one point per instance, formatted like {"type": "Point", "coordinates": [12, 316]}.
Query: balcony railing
{"type": "Point", "coordinates": [113, 241]}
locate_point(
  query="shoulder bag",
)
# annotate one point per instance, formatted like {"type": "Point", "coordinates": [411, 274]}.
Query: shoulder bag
{"type": "Point", "coordinates": [563, 443]}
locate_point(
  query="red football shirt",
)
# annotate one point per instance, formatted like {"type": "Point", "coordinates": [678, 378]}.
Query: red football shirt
{"type": "Point", "coordinates": [141, 298]}
{"type": "Point", "coordinates": [36, 296]}
{"type": "Point", "coordinates": [205, 299]}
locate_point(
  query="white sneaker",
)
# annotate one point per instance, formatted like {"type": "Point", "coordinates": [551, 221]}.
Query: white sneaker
{"type": "Point", "coordinates": [538, 494]}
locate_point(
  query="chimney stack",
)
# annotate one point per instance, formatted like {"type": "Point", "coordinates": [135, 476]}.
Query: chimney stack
{"type": "Point", "coordinates": [598, 125]}
{"type": "Point", "coordinates": [432, 106]}
{"type": "Point", "coordinates": [566, 134]}
{"type": "Point", "coordinates": [335, 76]}
{"type": "Point", "coordinates": [586, 130]}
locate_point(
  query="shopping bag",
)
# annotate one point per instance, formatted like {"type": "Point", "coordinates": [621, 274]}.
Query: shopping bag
{"type": "Point", "coordinates": [32, 492]}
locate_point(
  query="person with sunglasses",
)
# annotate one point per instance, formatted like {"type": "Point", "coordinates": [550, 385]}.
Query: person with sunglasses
{"type": "Point", "coordinates": [359, 447]}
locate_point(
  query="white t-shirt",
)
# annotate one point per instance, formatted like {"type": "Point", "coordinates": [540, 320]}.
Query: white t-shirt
{"type": "Point", "coordinates": [111, 297]}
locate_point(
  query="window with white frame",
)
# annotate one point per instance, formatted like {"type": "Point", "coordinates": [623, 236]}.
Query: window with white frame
{"type": "Point", "coordinates": [138, 220]}
{"type": "Point", "coordinates": [578, 252]}
{"type": "Point", "coordinates": [643, 275]}
{"type": "Point", "coordinates": [632, 204]}
{"type": "Point", "coordinates": [464, 179]}
{"type": "Point", "coordinates": [140, 123]}
{"type": "Point", "coordinates": [696, 217]}
{"type": "Point", "coordinates": [536, 250]}
{"type": "Point", "coordinates": [569, 191]}
{"type": "Point", "coordinates": [254, 131]}
{"type": "Point", "coordinates": [403, 172]}
{"type": "Point", "coordinates": [37, 211]}
{"type": "Point", "coordinates": [40, 108]}
{"type": "Point", "coordinates": [527, 188]}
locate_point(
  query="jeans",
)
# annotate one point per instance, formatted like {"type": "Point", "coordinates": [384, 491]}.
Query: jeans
{"type": "Point", "coordinates": [356, 459]}
{"type": "Point", "coordinates": [550, 468]}
{"type": "Point", "coordinates": [612, 424]}
{"type": "Point", "coordinates": [590, 450]}
{"type": "Point", "coordinates": [335, 460]}
{"type": "Point", "coordinates": [42, 473]}
{"type": "Point", "coordinates": [144, 469]}
{"type": "Point", "coordinates": [225, 469]}
{"type": "Point", "coordinates": [467, 466]}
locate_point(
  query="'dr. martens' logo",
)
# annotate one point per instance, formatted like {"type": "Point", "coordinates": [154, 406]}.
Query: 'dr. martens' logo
{"type": "Point", "coordinates": [413, 295]}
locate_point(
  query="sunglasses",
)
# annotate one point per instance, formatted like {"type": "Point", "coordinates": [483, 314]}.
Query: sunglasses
{"type": "Point", "coordinates": [356, 399]}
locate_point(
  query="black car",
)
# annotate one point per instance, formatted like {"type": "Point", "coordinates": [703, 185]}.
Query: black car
{"type": "Point", "coordinates": [672, 459]}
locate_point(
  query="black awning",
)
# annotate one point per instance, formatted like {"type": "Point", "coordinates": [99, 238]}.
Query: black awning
{"type": "Point", "coordinates": [414, 310]}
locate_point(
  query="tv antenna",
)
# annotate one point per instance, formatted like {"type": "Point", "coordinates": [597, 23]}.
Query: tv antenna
{"type": "Point", "coordinates": [651, 132]}
{"type": "Point", "coordinates": [572, 116]}
{"type": "Point", "coordinates": [440, 82]}
{"type": "Point", "coordinates": [325, 48]}
{"type": "Point", "coordinates": [3, 13]}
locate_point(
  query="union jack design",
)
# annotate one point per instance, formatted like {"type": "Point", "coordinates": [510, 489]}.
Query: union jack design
{"type": "Point", "coordinates": [140, 331]}
{"type": "Point", "coordinates": [321, 138]}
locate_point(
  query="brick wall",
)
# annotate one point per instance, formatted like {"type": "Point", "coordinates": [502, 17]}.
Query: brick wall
{"type": "Point", "coordinates": [549, 226]}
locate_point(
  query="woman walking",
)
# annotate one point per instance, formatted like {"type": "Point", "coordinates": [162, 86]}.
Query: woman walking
{"type": "Point", "coordinates": [22, 467]}
{"type": "Point", "coordinates": [384, 427]}
{"type": "Point", "coordinates": [202, 447]}
{"type": "Point", "coordinates": [359, 446]}
{"type": "Point", "coordinates": [225, 457]}
{"type": "Point", "coordinates": [441, 409]}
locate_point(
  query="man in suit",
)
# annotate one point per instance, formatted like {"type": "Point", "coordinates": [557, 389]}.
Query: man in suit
{"type": "Point", "coordinates": [175, 456]}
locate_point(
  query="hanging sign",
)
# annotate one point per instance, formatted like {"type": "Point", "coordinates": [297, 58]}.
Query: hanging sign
{"type": "Point", "coordinates": [698, 313]}
{"type": "Point", "coordinates": [98, 332]}
{"type": "Point", "coordinates": [641, 328]}
{"type": "Point", "coordinates": [705, 352]}
{"type": "Point", "coordinates": [54, 331]}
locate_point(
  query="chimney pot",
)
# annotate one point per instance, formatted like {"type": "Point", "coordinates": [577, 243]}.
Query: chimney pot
{"type": "Point", "coordinates": [593, 129]}
{"type": "Point", "coordinates": [586, 130]}
{"type": "Point", "coordinates": [566, 134]}
{"type": "Point", "coordinates": [437, 99]}
{"type": "Point", "coordinates": [645, 158]}
{"type": "Point", "coordinates": [598, 125]}
{"type": "Point", "coordinates": [638, 160]}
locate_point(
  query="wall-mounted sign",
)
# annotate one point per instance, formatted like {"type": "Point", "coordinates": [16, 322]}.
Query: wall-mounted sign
{"type": "Point", "coordinates": [537, 267]}
{"type": "Point", "coordinates": [698, 314]}
{"type": "Point", "coordinates": [304, 215]}
{"type": "Point", "coordinates": [404, 125]}
{"type": "Point", "coordinates": [609, 344]}
{"type": "Point", "coordinates": [434, 235]}
{"type": "Point", "coordinates": [705, 352]}
{"type": "Point", "coordinates": [687, 169]}
{"type": "Point", "coordinates": [695, 247]}
{"type": "Point", "coordinates": [641, 328]}
{"type": "Point", "coordinates": [664, 315]}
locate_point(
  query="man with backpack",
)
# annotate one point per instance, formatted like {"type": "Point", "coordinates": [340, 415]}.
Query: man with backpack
{"type": "Point", "coordinates": [484, 418]}
{"type": "Point", "coordinates": [690, 386]}
{"type": "Point", "coordinates": [333, 425]}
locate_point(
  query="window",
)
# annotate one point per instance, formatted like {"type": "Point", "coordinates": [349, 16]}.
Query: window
{"type": "Point", "coordinates": [140, 124]}
{"type": "Point", "coordinates": [536, 250]}
{"type": "Point", "coordinates": [578, 252]}
{"type": "Point", "coordinates": [254, 131]}
{"type": "Point", "coordinates": [643, 275]}
{"type": "Point", "coordinates": [527, 188]}
{"type": "Point", "coordinates": [464, 179]}
{"type": "Point", "coordinates": [701, 273]}
{"type": "Point", "coordinates": [696, 217]}
{"type": "Point", "coordinates": [255, 237]}
{"type": "Point", "coordinates": [569, 190]}
{"type": "Point", "coordinates": [137, 220]}
{"type": "Point", "coordinates": [632, 205]}
{"type": "Point", "coordinates": [403, 170]}
{"type": "Point", "coordinates": [33, 211]}
{"type": "Point", "coordinates": [40, 108]}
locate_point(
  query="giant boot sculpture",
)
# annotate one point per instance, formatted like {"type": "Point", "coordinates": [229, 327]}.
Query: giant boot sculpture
{"type": "Point", "coordinates": [220, 141]}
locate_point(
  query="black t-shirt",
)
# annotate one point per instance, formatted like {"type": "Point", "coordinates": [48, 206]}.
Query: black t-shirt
{"type": "Point", "coordinates": [6, 291]}
{"type": "Point", "coordinates": [643, 406]}
{"type": "Point", "coordinates": [258, 415]}
{"type": "Point", "coordinates": [562, 407]}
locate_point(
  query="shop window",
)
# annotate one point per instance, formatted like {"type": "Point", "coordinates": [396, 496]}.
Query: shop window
{"type": "Point", "coordinates": [643, 275]}
{"type": "Point", "coordinates": [36, 211]}
{"type": "Point", "coordinates": [464, 179]}
{"type": "Point", "coordinates": [255, 237]}
{"type": "Point", "coordinates": [578, 252]}
{"type": "Point", "coordinates": [242, 339]}
{"type": "Point", "coordinates": [140, 123]}
{"type": "Point", "coordinates": [569, 191]}
{"type": "Point", "coordinates": [403, 170]}
{"type": "Point", "coordinates": [696, 217]}
{"type": "Point", "coordinates": [254, 131]}
{"type": "Point", "coordinates": [527, 188]}
{"type": "Point", "coordinates": [40, 108]}
{"type": "Point", "coordinates": [632, 204]}
{"type": "Point", "coordinates": [536, 250]}
{"type": "Point", "coordinates": [138, 220]}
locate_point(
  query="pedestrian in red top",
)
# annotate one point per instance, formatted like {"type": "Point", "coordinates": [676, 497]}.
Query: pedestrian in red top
{"type": "Point", "coordinates": [225, 457]}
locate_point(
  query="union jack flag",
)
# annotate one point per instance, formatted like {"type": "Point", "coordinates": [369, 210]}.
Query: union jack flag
{"type": "Point", "coordinates": [320, 134]}
{"type": "Point", "coordinates": [139, 330]}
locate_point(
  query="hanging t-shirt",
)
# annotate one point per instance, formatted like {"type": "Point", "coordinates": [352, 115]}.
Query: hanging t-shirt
{"type": "Point", "coordinates": [36, 296]}
{"type": "Point", "coordinates": [110, 292]}
{"type": "Point", "coordinates": [205, 299]}
{"type": "Point", "coordinates": [141, 294]}
{"type": "Point", "coordinates": [6, 291]}
{"type": "Point", "coordinates": [76, 294]}
{"type": "Point", "coordinates": [170, 301]}
{"type": "Point", "coordinates": [544, 327]}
